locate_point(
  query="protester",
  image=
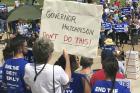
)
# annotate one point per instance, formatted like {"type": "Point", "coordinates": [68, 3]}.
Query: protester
{"type": "Point", "coordinates": [13, 69]}
{"type": "Point", "coordinates": [17, 3]}
{"type": "Point", "coordinates": [2, 86]}
{"type": "Point", "coordinates": [22, 27]}
{"type": "Point", "coordinates": [30, 42]}
{"type": "Point", "coordinates": [43, 77]}
{"type": "Point", "coordinates": [133, 34]}
{"type": "Point", "coordinates": [100, 74]}
{"type": "Point", "coordinates": [135, 4]}
{"type": "Point", "coordinates": [78, 82]}
{"type": "Point", "coordinates": [117, 3]}
{"type": "Point", "coordinates": [121, 61]}
{"type": "Point", "coordinates": [108, 49]}
{"type": "Point", "coordinates": [86, 64]}
{"type": "Point", "coordinates": [109, 85]}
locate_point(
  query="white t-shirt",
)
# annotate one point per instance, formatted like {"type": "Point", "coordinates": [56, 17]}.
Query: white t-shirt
{"type": "Point", "coordinates": [44, 81]}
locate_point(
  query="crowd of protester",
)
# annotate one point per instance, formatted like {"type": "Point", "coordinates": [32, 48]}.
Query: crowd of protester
{"type": "Point", "coordinates": [26, 66]}
{"type": "Point", "coordinates": [18, 75]}
{"type": "Point", "coordinates": [120, 23]}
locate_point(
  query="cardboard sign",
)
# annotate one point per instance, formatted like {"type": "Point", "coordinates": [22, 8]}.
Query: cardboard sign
{"type": "Point", "coordinates": [72, 25]}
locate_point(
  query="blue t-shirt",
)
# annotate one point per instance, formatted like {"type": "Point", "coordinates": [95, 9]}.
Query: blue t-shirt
{"type": "Point", "coordinates": [107, 51]}
{"type": "Point", "coordinates": [2, 86]}
{"type": "Point", "coordinates": [13, 73]}
{"type": "Point", "coordinates": [29, 56]}
{"type": "Point", "coordinates": [105, 86]}
{"type": "Point", "coordinates": [76, 84]}
{"type": "Point", "coordinates": [109, 47]}
{"type": "Point", "coordinates": [135, 1]}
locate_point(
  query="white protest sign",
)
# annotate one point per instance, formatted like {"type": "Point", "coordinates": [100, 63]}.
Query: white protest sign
{"type": "Point", "coordinates": [72, 25]}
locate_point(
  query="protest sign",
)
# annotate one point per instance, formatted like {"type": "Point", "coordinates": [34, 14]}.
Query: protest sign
{"type": "Point", "coordinates": [126, 10]}
{"type": "Point", "coordinates": [107, 25]}
{"type": "Point", "coordinates": [119, 27]}
{"type": "Point", "coordinates": [72, 25]}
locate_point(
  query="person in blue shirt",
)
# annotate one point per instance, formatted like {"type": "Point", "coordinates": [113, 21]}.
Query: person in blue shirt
{"type": "Point", "coordinates": [2, 86]}
{"type": "Point", "coordinates": [13, 69]}
{"type": "Point", "coordinates": [135, 4]}
{"type": "Point", "coordinates": [120, 29]}
{"type": "Point", "coordinates": [86, 64]}
{"type": "Point", "coordinates": [108, 49]}
{"type": "Point", "coordinates": [29, 55]}
{"type": "Point", "coordinates": [110, 85]}
{"type": "Point", "coordinates": [7, 54]}
{"type": "Point", "coordinates": [78, 82]}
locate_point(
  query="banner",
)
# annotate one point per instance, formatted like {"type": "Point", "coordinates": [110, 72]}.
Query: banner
{"type": "Point", "coordinates": [119, 27]}
{"type": "Point", "coordinates": [72, 26]}
{"type": "Point", "coordinates": [107, 25]}
{"type": "Point", "coordinates": [102, 2]}
{"type": "Point", "coordinates": [126, 10]}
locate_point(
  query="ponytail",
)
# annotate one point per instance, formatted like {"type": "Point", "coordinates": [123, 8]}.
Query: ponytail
{"type": "Point", "coordinates": [110, 66]}
{"type": "Point", "coordinates": [113, 80]}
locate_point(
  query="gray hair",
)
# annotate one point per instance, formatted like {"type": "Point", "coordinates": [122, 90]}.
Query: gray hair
{"type": "Point", "coordinates": [42, 49]}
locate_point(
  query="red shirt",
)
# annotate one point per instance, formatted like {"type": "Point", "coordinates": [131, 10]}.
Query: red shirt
{"type": "Point", "coordinates": [100, 75]}
{"type": "Point", "coordinates": [117, 3]}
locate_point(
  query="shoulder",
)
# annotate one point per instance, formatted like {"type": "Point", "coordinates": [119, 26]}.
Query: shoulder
{"type": "Point", "coordinates": [23, 62]}
{"type": "Point", "coordinates": [99, 73]}
{"type": "Point", "coordinates": [78, 75]}
{"type": "Point", "coordinates": [56, 67]}
{"type": "Point", "coordinates": [29, 68]}
{"type": "Point", "coordinates": [29, 65]}
{"type": "Point", "coordinates": [8, 60]}
{"type": "Point", "coordinates": [120, 75]}
{"type": "Point", "coordinates": [100, 83]}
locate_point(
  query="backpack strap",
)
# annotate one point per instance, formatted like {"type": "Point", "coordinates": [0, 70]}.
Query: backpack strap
{"type": "Point", "coordinates": [85, 82]}
{"type": "Point", "coordinates": [53, 81]}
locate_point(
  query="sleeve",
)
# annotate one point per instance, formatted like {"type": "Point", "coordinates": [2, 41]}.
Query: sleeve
{"type": "Point", "coordinates": [92, 80]}
{"type": "Point", "coordinates": [64, 79]}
